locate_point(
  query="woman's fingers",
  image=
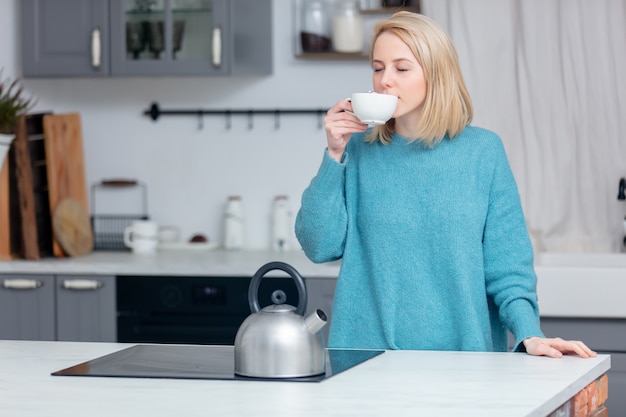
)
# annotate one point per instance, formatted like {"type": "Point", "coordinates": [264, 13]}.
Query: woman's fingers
{"type": "Point", "coordinates": [576, 346]}
{"type": "Point", "coordinates": [556, 347]}
{"type": "Point", "coordinates": [340, 125]}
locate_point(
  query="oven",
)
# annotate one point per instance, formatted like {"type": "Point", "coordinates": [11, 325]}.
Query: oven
{"type": "Point", "coordinates": [189, 309]}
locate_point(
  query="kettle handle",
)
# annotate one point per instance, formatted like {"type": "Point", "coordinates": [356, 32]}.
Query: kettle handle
{"type": "Point", "coordinates": [253, 290]}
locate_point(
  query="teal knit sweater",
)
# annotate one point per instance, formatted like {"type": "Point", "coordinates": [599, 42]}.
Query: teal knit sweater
{"type": "Point", "coordinates": [434, 246]}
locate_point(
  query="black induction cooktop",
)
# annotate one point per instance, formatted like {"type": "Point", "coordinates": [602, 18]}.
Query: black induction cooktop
{"type": "Point", "coordinates": [197, 362]}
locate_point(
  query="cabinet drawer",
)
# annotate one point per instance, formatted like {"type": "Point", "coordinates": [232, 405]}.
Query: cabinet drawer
{"type": "Point", "coordinates": [86, 308]}
{"type": "Point", "coordinates": [27, 307]}
{"type": "Point", "coordinates": [599, 334]}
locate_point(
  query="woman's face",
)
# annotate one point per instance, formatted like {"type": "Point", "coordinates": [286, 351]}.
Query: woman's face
{"type": "Point", "coordinates": [397, 72]}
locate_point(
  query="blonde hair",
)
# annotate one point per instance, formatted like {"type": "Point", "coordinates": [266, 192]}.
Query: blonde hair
{"type": "Point", "coordinates": [448, 107]}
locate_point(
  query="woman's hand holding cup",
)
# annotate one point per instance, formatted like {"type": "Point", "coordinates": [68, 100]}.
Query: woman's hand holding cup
{"type": "Point", "coordinates": [354, 115]}
{"type": "Point", "coordinates": [340, 123]}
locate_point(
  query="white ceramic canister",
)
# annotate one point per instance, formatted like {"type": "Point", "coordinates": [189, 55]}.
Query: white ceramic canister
{"type": "Point", "coordinates": [348, 34]}
{"type": "Point", "coordinates": [281, 224]}
{"type": "Point", "coordinates": [234, 222]}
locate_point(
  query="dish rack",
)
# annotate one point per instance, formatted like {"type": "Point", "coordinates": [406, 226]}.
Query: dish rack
{"type": "Point", "coordinates": [108, 229]}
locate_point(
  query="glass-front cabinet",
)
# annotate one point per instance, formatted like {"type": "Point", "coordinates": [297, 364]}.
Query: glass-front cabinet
{"type": "Point", "coordinates": [146, 37]}
{"type": "Point", "coordinates": [164, 37]}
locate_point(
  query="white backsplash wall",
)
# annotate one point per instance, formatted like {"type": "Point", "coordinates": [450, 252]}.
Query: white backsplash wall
{"type": "Point", "coordinates": [190, 172]}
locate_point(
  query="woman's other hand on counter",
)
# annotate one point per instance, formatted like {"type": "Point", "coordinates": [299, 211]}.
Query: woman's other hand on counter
{"type": "Point", "coordinates": [556, 347]}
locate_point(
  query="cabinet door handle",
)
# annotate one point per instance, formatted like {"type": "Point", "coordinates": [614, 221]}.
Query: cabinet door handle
{"type": "Point", "coordinates": [21, 284]}
{"type": "Point", "coordinates": [82, 284]}
{"type": "Point", "coordinates": [96, 50]}
{"type": "Point", "coordinates": [216, 53]}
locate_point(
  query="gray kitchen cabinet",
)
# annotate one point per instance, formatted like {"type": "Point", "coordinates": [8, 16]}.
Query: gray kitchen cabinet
{"type": "Point", "coordinates": [27, 307]}
{"type": "Point", "coordinates": [606, 336]}
{"type": "Point", "coordinates": [85, 308]}
{"type": "Point", "coordinates": [321, 292]}
{"type": "Point", "coordinates": [65, 38]}
{"type": "Point", "coordinates": [47, 307]}
{"type": "Point", "coordinates": [95, 38]}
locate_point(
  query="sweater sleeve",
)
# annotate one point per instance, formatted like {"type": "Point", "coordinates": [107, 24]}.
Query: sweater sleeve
{"type": "Point", "coordinates": [508, 257]}
{"type": "Point", "coordinates": [322, 221]}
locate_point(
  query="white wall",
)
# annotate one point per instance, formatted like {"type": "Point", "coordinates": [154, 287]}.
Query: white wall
{"type": "Point", "coordinates": [190, 172]}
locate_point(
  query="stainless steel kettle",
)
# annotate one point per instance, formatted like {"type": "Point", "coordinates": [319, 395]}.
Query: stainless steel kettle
{"type": "Point", "coordinates": [278, 341]}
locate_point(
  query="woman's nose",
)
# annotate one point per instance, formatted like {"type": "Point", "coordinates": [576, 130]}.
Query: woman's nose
{"type": "Point", "coordinates": [386, 79]}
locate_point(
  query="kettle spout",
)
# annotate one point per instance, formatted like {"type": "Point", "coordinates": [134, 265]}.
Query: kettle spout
{"type": "Point", "coordinates": [315, 321]}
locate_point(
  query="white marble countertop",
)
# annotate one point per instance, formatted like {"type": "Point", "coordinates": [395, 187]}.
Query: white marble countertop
{"type": "Point", "coordinates": [172, 262]}
{"type": "Point", "coordinates": [396, 383]}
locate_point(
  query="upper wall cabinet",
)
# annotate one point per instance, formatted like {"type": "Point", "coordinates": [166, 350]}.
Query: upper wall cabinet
{"type": "Point", "coordinates": [65, 37]}
{"type": "Point", "coordinates": [99, 38]}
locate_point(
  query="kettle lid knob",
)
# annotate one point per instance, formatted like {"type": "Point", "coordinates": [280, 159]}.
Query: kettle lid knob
{"type": "Point", "coordinates": [279, 297]}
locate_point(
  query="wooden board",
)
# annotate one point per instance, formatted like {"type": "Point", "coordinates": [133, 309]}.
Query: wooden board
{"type": "Point", "coordinates": [36, 146]}
{"type": "Point", "coordinates": [37, 191]}
{"type": "Point", "coordinates": [5, 223]}
{"type": "Point", "coordinates": [65, 163]}
{"type": "Point", "coordinates": [24, 174]}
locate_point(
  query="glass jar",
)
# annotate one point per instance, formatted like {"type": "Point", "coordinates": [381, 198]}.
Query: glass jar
{"type": "Point", "coordinates": [315, 33]}
{"type": "Point", "coordinates": [347, 27]}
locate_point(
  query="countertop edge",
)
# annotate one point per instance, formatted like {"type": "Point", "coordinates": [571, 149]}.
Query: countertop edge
{"type": "Point", "coordinates": [561, 398]}
{"type": "Point", "coordinates": [171, 263]}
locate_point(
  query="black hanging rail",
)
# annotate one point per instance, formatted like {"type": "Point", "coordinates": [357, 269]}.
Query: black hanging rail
{"type": "Point", "coordinates": [155, 112]}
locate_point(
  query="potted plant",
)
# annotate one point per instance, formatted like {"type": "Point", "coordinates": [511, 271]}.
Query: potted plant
{"type": "Point", "coordinates": [13, 104]}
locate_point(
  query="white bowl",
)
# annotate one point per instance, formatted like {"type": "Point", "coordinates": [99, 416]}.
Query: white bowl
{"type": "Point", "coordinates": [168, 234]}
{"type": "Point", "coordinates": [373, 108]}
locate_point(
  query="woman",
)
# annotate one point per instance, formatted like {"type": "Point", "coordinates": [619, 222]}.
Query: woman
{"type": "Point", "coordinates": [424, 213]}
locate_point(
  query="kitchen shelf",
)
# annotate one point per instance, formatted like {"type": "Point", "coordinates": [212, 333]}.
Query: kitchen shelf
{"type": "Point", "coordinates": [370, 15]}
{"type": "Point", "coordinates": [332, 55]}
{"type": "Point", "coordinates": [390, 10]}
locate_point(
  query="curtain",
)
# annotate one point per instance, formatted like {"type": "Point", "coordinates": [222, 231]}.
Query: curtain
{"type": "Point", "coordinates": [549, 76]}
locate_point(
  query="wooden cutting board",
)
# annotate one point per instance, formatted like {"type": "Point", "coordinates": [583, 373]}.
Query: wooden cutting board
{"type": "Point", "coordinates": [26, 198]}
{"type": "Point", "coordinates": [72, 227]}
{"type": "Point", "coordinates": [65, 164]}
{"type": "Point", "coordinates": [5, 224]}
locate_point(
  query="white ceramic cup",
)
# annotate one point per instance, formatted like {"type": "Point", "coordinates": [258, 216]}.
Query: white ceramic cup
{"type": "Point", "coordinates": [373, 108]}
{"type": "Point", "coordinates": [142, 237]}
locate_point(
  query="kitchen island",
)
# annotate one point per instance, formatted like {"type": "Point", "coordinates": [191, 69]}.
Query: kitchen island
{"type": "Point", "coordinates": [52, 312]}
{"type": "Point", "coordinates": [396, 383]}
